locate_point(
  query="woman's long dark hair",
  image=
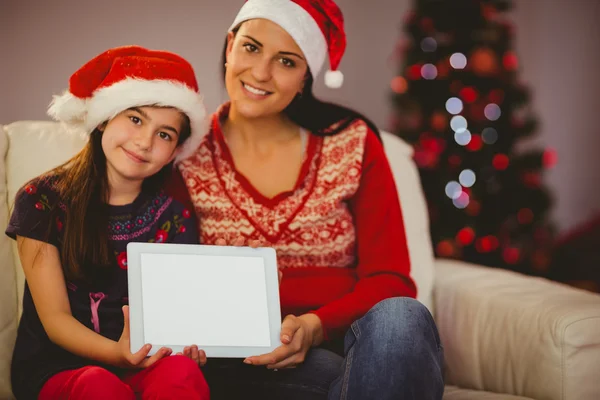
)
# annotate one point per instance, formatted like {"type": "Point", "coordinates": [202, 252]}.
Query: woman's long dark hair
{"type": "Point", "coordinates": [318, 117]}
{"type": "Point", "coordinates": [82, 185]}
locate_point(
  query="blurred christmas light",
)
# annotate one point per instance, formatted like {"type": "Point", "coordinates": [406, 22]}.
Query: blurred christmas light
{"type": "Point", "coordinates": [465, 236]}
{"type": "Point", "coordinates": [439, 121]}
{"type": "Point", "coordinates": [511, 255]}
{"type": "Point", "coordinates": [399, 85]}
{"type": "Point", "coordinates": [473, 208]}
{"type": "Point", "coordinates": [445, 248]}
{"type": "Point", "coordinates": [496, 96]}
{"type": "Point", "coordinates": [458, 123]}
{"type": "Point", "coordinates": [500, 162]}
{"type": "Point", "coordinates": [427, 24]}
{"type": "Point", "coordinates": [454, 105]}
{"type": "Point", "coordinates": [475, 144]}
{"type": "Point", "coordinates": [492, 112]}
{"type": "Point", "coordinates": [414, 72]}
{"type": "Point", "coordinates": [487, 244]}
{"type": "Point", "coordinates": [458, 61]}
{"type": "Point", "coordinates": [429, 71]}
{"type": "Point", "coordinates": [532, 179]}
{"type": "Point", "coordinates": [467, 178]}
{"type": "Point", "coordinates": [454, 160]}
{"type": "Point", "coordinates": [453, 189]}
{"type": "Point", "coordinates": [510, 61]}
{"type": "Point", "coordinates": [468, 94]}
{"type": "Point", "coordinates": [549, 158]}
{"type": "Point", "coordinates": [463, 137]}
{"type": "Point", "coordinates": [428, 45]}
{"type": "Point", "coordinates": [462, 201]}
{"type": "Point", "coordinates": [525, 216]}
{"type": "Point", "coordinates": [489, 135]}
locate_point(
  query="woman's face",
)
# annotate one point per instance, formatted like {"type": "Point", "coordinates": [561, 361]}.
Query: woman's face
{"type": "Point", "coordinates": [265, 69]}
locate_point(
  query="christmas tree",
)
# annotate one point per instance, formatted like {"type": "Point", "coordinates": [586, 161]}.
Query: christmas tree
{"type": "Point", "coordinates": [459, 102]}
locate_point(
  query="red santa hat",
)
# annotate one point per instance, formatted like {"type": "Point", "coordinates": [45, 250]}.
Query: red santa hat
{"type": "Point", "coordinates": [132, 76]}
{"type": "Point", "coordinates": [317, 26]}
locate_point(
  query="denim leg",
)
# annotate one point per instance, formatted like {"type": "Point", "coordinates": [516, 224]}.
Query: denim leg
{"type": "Point", "coordinates": [231, 379]}
{"type": "Point", "coordinates": [393, 352]}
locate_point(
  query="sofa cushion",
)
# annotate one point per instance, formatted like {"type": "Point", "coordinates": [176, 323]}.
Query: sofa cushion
{"type": "Point", "coordinates": [455, 393]}
{"type": "Point", "coordinates": [414, 212]}
{"type": "Point", "coordinates": [8, 292]}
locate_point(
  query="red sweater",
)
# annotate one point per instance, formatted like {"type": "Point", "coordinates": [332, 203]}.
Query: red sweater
{"type": "Point", "coordinates": [339, 234]}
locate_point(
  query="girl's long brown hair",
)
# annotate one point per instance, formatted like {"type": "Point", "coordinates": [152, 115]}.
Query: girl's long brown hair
{"type": "Point", "coordinates": [82, 186]}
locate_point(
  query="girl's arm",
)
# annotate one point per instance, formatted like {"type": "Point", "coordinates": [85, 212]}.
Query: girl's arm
{"type": "Point", "coordinates": [43, 271]}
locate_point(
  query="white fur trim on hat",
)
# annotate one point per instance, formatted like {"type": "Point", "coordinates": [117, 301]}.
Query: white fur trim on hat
{"type": "Point", "coordinates": [109, 101]}
{"type": "Point", "coordinates": [296, 21]}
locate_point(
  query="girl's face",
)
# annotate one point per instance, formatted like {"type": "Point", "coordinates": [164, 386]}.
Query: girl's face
{"type": "Point", "coordinates": [265, 69]}
{"type": "Point", "coordinates": [140, 141]}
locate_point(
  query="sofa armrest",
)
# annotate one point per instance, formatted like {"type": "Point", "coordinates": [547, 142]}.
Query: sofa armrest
{"type": "Point", "coordinates": [509, 333]}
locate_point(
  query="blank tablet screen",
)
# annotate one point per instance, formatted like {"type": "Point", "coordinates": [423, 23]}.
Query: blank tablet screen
{"type": "Point", "coordinates": [204, 300]}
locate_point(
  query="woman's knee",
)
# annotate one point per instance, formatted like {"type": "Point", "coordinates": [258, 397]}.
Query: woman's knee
{"type": "Point", "coordinates": [402, 321]}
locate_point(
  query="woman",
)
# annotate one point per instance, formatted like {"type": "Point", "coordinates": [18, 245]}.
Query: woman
{"type": "Point", "coordinates": [311, 179]}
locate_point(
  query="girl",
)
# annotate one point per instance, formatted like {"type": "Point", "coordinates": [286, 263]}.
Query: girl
{"type": "Point", "coordinates": [312, 180]}
{"type": "Point", "coordinates": [142, 111]}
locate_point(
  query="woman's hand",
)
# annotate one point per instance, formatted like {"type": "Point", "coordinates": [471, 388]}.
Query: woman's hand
{"type": "Point", "coordinates": [241, 241]}
{"type": "Point", "coordinates": [196, 355]}
{"type": "Point", "coordinates": [125, 359]}
{"type": "Point", "coordinates": [298, 335]}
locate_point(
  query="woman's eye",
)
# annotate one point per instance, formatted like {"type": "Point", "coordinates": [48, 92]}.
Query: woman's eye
{"type": "Point", "coordinates": [250, 48]}
{"type": "Point", "coordinates": [135, 120]}
{"type": "Point", "coordinates": [288, 63]}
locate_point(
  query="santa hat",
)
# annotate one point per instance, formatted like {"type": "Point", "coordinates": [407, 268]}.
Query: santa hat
{"type": "Point", "coordinates": [317, 26]}
{"type": "Point", "coordinates": [132, 76]}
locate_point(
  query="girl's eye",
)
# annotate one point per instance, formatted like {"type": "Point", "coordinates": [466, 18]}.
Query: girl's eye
{"type": "Point", "coordinates": [164, 135]}
{"type": "Point", "coordinates": [250, 48]}
{"type": "Point", "coordinates": [287, 62]}
{"type": "Point", "coordinates": [135, 120]}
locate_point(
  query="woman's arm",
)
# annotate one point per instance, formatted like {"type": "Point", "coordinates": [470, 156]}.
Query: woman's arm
{"type": "Point", "coordinates": [41, 265]}
{"type": "Point", "coordinates": [383, 268]}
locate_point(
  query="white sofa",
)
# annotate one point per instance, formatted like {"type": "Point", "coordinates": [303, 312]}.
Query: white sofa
{"type": "Point", "coordinates": [506, 336]}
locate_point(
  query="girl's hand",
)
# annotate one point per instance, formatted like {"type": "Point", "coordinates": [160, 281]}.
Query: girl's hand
{"type": "Point", "coordinates": [298, 335]}
{"type": "Point", "coordinates": [241, 241]}
{"type": "Point", "coordinates": [196, 355]}
{"type": "Point", "coordinates": [126, 359]}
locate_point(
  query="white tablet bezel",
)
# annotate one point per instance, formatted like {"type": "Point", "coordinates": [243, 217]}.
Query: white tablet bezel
{"type": "Point", "coordinates": [134, 275]}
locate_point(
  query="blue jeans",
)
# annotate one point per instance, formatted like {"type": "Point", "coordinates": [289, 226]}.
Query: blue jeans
{"type": "Point", "coordinates": [393, 352]}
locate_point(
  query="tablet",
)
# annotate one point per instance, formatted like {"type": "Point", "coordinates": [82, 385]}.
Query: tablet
{"type": "Point", "coordinates": [223, 299]}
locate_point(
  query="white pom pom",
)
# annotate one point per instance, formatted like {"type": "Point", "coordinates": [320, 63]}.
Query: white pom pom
{"type": "Point", "coordinates": [67, 108]}
{"type": "Point", "coordinates": [334, 79]}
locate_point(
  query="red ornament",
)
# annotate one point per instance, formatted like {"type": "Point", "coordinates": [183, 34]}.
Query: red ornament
{"type": "Point", "coordinates": [468, 94]}
{"type": "Point", "coordinates": [487, 244]}
{"type": "Point", "coordinates": [511, 255]}
{"type": "Point", "coordinates": [31, 189]}
{"type": "Point", "coordinates": [122, 260]}
{"type": "Point", "coordinates": [500, 162]}
{"type": "Point", "coordinates": [445, 248]}
{"type": "Point", "coordinates": [525, 216]}
{"type": "Point", "coordinates": [510, 61]}
{"type": "Point", "coordinates": [475, 144]}
{"type": "Point", "coordinates": [161, 236]}
{"type": "Point", "coordinates": [550, 158]}
{"type": "Point", "coordinates": [414, 72]}
{"type": "Point", "coordinates": [496, 96]}
{"type": "Point", "coordinates": [39, 206]}
{"type": "Point", "coordinates": [186, 213]}
{"type": "Point", "coordinates": [465, 236]}
{"type": "Point", "coordinates": [182, 229]}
